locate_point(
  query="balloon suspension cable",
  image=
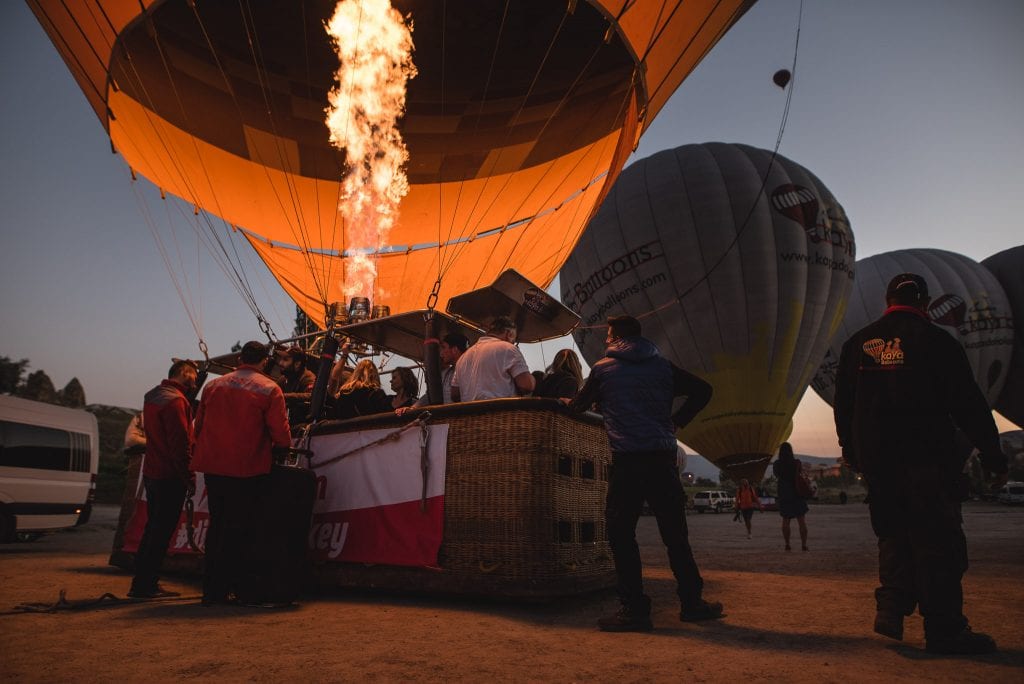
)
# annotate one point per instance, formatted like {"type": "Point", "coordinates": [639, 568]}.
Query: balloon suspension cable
{"type": "Point", "coordinates": [432, 300]}
{"type": "Point", "coordinates": [764, 182]}
{"type": "Point", "coordinates": [266, 329]}
{"type": "Point", "coordinates": [206, 353]}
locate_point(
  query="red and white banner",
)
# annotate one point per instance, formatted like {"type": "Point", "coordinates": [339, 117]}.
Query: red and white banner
{"type": "Point", "coordinates": [179, 540]}
{"type": "Point", "coordinates": [370, 506]}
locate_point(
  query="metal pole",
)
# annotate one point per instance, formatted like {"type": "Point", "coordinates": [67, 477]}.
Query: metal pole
{"type": "Point", "coordinates": [323, 375]}
{"type": "Point", "coordinates": [432, 360]}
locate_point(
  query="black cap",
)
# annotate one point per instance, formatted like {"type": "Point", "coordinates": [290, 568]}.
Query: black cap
{"type": "Point", "coordinates": [907, 287]}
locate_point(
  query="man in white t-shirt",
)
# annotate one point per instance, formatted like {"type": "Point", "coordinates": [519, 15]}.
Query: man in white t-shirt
{"type": "Point", "coordinates": [493, 368]}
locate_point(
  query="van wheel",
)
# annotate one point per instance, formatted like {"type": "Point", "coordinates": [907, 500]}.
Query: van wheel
{"type": "Point", "coordinates": [8, 527]}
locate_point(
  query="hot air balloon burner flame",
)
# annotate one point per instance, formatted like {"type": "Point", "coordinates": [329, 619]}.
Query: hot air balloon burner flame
{"type": "Point", "coordinates": [374, 47]}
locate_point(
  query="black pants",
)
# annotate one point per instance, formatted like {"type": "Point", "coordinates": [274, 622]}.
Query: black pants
{"type": "Point", "coordinates": [235, 555]}
{"type": "Point", "coordinates": [650, 475]}
{"type": "Point", "coordinates": [164, 499]}
{"type": "Point", "coordinates": [922, 551]}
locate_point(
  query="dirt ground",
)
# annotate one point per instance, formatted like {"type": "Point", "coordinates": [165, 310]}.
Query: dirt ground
{"type": "Point", "coordinates": [793, 616]}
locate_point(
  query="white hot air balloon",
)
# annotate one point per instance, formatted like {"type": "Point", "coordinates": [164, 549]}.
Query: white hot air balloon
{"type": "Point", "coordinates": [738, 267]}
{"type": "Point", "coordinates": [966, 301]}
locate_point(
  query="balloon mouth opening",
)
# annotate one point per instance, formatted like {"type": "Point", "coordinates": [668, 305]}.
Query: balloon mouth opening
{"type": "Point", "coordinates": [750, 466]}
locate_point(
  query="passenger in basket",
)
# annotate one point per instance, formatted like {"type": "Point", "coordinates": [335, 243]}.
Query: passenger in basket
{"type": "Point", "coordinates": [564, 376]}
{"type": "Point", "coordinates": [902, 385]}
{"type": "Point", "coordinates": [634, 388]}
{"type": "Point", "coordinates": [493, 368]}
{"type": "Point", "coordinates": [296, 382]}
{"type": "Point", "coordinates": [405, 386]}
{"type": "Point", "coordinates": [240, 418]}
{"type": "Point", "coordinates": [451, 349]}
{"type": "Point", "coordinates": [361, 394]}
{"type": "Point", "coordinates": [167, 415]}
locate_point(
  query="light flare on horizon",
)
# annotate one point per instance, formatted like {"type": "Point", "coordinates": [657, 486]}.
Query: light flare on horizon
{"type": "Point", "coordinates": [374, 47]}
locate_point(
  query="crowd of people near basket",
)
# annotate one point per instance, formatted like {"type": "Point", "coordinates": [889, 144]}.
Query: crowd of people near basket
{"type": "Point", "coordinates": [895, 417]}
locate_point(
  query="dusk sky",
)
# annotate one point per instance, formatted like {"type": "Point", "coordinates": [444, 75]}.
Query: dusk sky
{"type": "Point", "coordinates": [909, 111]}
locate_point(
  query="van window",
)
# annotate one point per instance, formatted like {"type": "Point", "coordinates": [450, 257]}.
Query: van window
{"type": "Point", "coordinates": [32, 446]}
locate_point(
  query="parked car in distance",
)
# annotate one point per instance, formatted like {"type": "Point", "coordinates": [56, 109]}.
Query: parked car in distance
{"type": "Point", "coordinates": [1011, 493]}
{"type": "Point", "coordinates": [714, 500]}
{"type": "Point", "coordinates": [768, 502]}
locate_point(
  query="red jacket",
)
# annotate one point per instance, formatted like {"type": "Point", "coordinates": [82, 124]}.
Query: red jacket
{"type": "Point", "coordinates": [241, 415]}
{"type": "Point", "coordinates": [167, 415]}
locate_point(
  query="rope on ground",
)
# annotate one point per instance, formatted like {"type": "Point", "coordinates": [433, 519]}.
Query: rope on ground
{"type": "Point", "coordinates": [107, 599]}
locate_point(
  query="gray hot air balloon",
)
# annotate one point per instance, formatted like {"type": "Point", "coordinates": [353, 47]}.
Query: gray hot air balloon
{"type": "Point", "coordinates": [967, 302]}
{"type": "Point", "coordinates": [738, 273]}
{"type": "Point", "coordinates": [1008, 268]}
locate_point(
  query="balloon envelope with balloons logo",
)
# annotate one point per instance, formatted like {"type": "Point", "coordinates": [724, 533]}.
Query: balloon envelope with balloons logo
{"type": "Point", "coordinates": [738, 264]}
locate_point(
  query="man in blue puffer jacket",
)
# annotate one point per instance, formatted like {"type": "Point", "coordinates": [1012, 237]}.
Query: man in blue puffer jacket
{"type": "Point", "coordinates": [634, 388]}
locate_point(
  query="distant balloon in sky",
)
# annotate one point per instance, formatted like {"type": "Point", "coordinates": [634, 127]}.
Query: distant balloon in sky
{"type": "Point", "coordinates": [781, 78]}
{"type": "Point", "coordinates": [738, 267]}
{"type": "Point", "coordinates": [1008, 268]}
{"type": "Point", "coordinates": [967, 302]}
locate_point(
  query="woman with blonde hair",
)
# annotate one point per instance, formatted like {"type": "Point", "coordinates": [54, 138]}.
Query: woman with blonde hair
{"type": "Point", "coordinates": [361, 394]}
{"type": "Point", "coordinates": [564, 376]}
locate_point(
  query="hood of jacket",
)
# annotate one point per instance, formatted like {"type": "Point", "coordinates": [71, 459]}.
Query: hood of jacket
{"type": "Point", "coordinates": [632, 349]}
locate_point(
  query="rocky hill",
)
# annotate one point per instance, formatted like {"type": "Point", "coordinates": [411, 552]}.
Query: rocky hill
{"type": "Point", "coordinates": [112, 421]}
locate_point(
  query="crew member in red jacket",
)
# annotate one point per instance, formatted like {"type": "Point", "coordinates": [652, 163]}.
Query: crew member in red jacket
{"type": "Point", "coordinates": [167, 415]}
{"type": "Point", "coordinates": [240, 418]}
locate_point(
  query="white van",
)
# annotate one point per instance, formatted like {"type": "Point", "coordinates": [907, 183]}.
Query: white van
{"type": "Point", "coordinates": [49, 457]}
{"type": "Point", "coordinates": [714, 500]}
{"type": "Point", "coordinates": [1011, 493]}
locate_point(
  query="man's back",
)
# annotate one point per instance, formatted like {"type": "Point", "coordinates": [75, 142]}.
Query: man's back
{"type": "Point", "coordinates": [240, 416]}
{"type": "Point", "coordinates": [487, 370]}
{"type": "Point", "coordinates": [635, 393]}
{"type": "Point", "coordinates": [167, 415]}
{"type": "Point", "coordinates": [904, 382]}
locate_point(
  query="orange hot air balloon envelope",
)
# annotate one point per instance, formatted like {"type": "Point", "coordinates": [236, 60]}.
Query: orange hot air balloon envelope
{"type": "Point", "coordinates": [516, 125]}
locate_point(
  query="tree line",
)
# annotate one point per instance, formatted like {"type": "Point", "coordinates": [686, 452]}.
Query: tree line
{"type": "Point", "coordinates": [37, 385]}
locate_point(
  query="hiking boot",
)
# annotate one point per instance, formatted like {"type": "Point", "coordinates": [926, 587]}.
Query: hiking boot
{"type": "Point", "coordinates": [154, 593]}
{"type": "Point", "coordinates": [889, 625]}
{"type": "Point", "coordinates": [702, 610]}
{"type": "Point", "coordinates": [967, 642]}
{"type": "Point", "coordinates": [626, 619]}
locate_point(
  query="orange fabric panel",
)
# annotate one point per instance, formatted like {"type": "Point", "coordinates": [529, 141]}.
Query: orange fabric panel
{"type": "Point", "coordinates": [404, 280]}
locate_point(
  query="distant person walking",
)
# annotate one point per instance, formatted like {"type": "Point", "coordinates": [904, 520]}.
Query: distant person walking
{"type": "Point", "coordinates": [747, 501]}
{"type": "Point", "coordinates": [791, 504]}
{"type": "Point", "coordinates": [167, 415]}
{"type": "Point", "coordinates": [634, 388]}
{"type": "Point", "coordinates": [902, 386]}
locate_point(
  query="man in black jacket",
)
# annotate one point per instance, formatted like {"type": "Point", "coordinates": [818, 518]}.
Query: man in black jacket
{"type": "Point", "coordinates": [634, 388]}
{"type": "Point", "coordinates": [902, 387]}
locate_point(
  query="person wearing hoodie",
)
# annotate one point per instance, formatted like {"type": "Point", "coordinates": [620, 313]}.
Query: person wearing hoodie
{"type": "Point", "coordinates": [902, 386]}
{"type": "Point", "coordinates": [634, 388]}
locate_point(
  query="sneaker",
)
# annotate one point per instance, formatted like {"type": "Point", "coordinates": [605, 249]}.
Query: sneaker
{"type": "Point", "coordinates": [889, 625]}
{"type": "Point", "coordinates": [154, 593]}
{"type": "Point", "coordinates": [626, 620]}
{"type": "Point", "coordinates": [967, 642]}
{"type": "Point", "coordinates": [701, 611]}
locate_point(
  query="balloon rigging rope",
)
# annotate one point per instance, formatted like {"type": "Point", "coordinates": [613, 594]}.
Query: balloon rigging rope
{"type": "Point", "coordinates": [764, 182]}
{"type": "Point", "coordinates": [240, 280]}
